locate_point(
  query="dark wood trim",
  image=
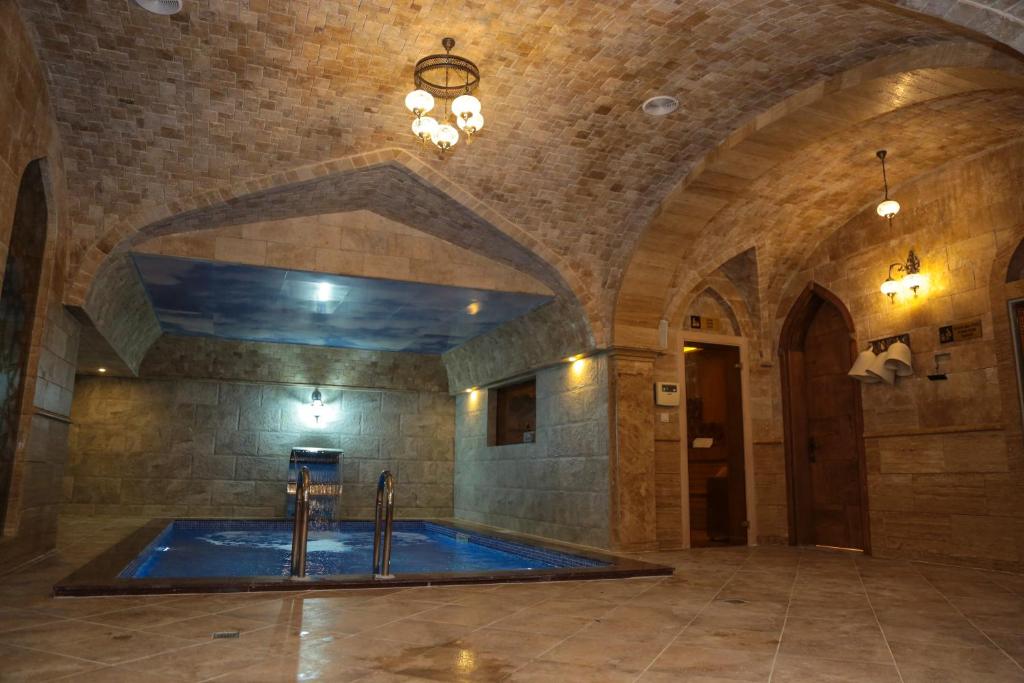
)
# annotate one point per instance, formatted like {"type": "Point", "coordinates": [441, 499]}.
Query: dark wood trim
{"type": "Point", "coordinates": [791, 340]}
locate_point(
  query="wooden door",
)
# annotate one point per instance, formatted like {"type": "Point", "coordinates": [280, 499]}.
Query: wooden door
{"type": "Point", "coordinates": [716, 467]}
{"type": "Point", "coordinates": [824, 442]}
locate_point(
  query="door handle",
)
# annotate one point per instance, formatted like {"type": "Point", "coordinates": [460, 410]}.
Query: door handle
{"type": "Point", "coordinates": [812, 449]}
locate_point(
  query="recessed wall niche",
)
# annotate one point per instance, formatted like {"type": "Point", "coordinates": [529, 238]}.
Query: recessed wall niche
{"type": "Point", "coordinates": [512, 413]}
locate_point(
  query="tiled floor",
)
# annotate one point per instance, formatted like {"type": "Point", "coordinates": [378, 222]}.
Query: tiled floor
{"type": "Point", "coordinates": [758, 614]}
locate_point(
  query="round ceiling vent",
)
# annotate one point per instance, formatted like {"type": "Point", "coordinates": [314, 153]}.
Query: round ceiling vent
{"type": "Point", "coordinates": [660, 105]}
{"type": "Point", "coordinates": [164, 7]}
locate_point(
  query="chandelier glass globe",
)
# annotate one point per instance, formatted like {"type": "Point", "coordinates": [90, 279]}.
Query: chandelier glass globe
{"type": "Point", "coordinates": [419, 102]}
{"type": "Point", "coordinates": [445, 137]}
{"type": "Point", "coordinates": [472, 124]}
{"type": "Point", "coordinates": [888, 208]}
{"type": "Point", "coordinates": [464, 106]}
{"type": "Point", "coordinates": [424, 128]}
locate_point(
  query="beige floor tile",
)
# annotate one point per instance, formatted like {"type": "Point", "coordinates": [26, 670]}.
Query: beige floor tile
{"type": "Point", "coordinates": [417, 632]}
{"type": "Point", "coordinates": [560, 672]}
{"type": "Point", "coordinates": [835, 639]}
{"type": "Point", "coordinates": [292, 670]}
{"type": "Point", "coordinates": [462, 615]}
{"type": "Point", "coordinates": [47, 636]}
{"type": "Point", "coordinates": [198, 662]}
{"type": "Point", "coordinates": [730, 637]}
{"type": "Point", "coordinates": [922, 662]}
{"type": "Point", "coordinates": [117, 648]}
{"type": "Point", "coordinates": [508, 644]}
{"type": "Point", "coordinates": [452, 663]}
{"type": "Point", "coordinates": [343, 620]}
{"type": "Point", "coordinates": [617, 656]}
{"type": "Point", "coordinates": [791, 669]}
{"type": "Point", "coordinates": [145, 617]}
{"type": "Point", "coordinates": [687, 661]}
{"type": "Point", "coordinates": [18, 665]}
{"type": "Point", "coordinates": [537, 620]}
{"type": "Point", "coordinates": [116, 674]}
{"type": "Point", "coordinates": [202, 628]}
{"type": "Point", "coordinates": [12, 619]}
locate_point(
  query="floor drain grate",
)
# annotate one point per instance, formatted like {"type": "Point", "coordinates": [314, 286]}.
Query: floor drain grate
{"type": "Point", "coordinates": [225, 634]}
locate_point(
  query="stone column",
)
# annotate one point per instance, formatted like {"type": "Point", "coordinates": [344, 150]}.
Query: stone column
{"type": "Point", "coordinates": [631, 458]}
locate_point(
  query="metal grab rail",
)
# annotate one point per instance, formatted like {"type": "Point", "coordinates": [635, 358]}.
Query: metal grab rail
{"type": "Point", "coordinates": [384, 512]}
{"type": "Point", "coordinates": [300, 531]}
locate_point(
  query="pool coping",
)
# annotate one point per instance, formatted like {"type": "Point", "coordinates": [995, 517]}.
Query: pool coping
{"type": "Point", "coordinates": [99, 576]}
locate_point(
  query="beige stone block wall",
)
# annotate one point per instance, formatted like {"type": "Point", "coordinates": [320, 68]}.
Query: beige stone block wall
{"type": "Point", "coordinates": [190, 439]}
{"type": "Point", "coordinates": [358, 243]}
{"type": "Point", "coordinates": [944, 470]}
{"type": "Point", "coordinates": [26, 134]}
{"type": "Point", "coordinates": [556, 487]}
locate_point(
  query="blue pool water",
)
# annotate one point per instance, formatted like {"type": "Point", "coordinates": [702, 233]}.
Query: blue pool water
{"type": "Point", "coordinates": [218, 548]}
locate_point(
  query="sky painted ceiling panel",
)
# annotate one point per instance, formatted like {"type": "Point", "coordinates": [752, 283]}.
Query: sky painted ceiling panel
{"type": "Point", "coordinates": [256, 303]}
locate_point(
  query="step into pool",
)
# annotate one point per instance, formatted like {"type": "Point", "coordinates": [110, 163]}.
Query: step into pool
{"type": "Point", "coordinates": [220, 555]}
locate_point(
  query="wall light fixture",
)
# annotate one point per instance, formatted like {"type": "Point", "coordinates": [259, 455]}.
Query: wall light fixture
{"type": "Point", "coordinates": [912, 278]}
{"type": "Point", "coordinates": [316, 407]}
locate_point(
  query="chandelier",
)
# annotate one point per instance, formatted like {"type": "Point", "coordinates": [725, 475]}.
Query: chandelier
{"type": "Point", "coordinates": [451, 79]}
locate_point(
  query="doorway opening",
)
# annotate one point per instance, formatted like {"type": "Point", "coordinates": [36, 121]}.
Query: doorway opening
{"type": "Point", "coordinates": [21, 278]}
{"type": "Point", "coordinates": [824, 434]}
{"type": "Point", "coordinates": [715, 444]}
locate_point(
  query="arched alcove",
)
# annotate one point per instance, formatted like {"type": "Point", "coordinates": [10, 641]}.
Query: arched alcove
{"type": "Point", "coordinates": [19, 295]}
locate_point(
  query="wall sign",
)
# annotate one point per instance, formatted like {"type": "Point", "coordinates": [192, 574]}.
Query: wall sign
{"type": "Point", "coordinates": [700, 322]}
{"type": "Point", "coordinates": [961, 332]}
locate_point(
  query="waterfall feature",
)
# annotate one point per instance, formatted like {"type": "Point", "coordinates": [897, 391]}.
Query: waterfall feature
{"type": "Point", "coordinates": [325, 492]}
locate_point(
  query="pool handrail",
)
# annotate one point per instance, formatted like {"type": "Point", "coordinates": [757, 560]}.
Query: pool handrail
{"type": "Point", "coordinates": [384, 511]}
{"type": "Point", "coordinates": [300, 530]}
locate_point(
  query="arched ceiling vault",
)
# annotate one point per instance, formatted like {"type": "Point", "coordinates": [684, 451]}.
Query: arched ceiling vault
{"type": "Point", "coordinates": [794, 173]}
{"type": "Point", "coordinates": [156, 111]}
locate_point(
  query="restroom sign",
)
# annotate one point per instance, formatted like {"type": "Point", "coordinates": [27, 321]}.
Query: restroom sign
{"type": "Point", "coordinates": [700, 322]}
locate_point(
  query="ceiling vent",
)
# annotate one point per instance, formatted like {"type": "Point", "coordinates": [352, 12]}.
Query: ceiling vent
{"type": "Point", "coordinates": [660, 105]}
{"type": "Point", "coordinates": [163, 7]}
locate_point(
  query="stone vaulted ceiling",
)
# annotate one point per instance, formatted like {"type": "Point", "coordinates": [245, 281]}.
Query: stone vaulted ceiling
{"type": "Point", "coordinates": [153, 110]}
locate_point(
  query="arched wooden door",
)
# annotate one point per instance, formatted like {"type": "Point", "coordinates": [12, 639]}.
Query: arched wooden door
{"type": "Point", "coordinates": [824, 435]}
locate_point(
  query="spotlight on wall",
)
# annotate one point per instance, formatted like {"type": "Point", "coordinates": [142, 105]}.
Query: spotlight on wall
{"type": "Point", "coordinates": [471, 390]}
{"type": "Point", "coordinates": [473, 308]}
{"type": "Point", "coordinates": [316, 407]}
{"type": "Point", "coordinates": [912, 279]}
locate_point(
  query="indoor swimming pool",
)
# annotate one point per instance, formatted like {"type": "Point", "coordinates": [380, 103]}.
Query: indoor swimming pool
{"type": "Point", "coordinates": [221, 548]}
{"type": "Point", "coordinates": [223, 555]}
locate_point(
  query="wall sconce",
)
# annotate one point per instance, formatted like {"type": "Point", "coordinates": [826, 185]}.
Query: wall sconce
{"type": "Point", "coordinates": [316, 408]}
{"type": "Point", "coordinates": [912, 278]}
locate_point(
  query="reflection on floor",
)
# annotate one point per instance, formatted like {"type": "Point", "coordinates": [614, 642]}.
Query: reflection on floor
{"type": "Point", "coordinates": [728, 614]}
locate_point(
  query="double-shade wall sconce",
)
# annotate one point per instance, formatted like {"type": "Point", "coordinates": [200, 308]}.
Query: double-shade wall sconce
{"type": "Point", "coordinates": [871, 368]}
{"type": "Point", "coordinates": [912, 279]}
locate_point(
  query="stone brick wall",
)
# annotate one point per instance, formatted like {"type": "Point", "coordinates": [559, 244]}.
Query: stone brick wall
{"type": "Point", "coordinates": [944, 460]}
{"type": "Point", "coordinates": [187, 440]}
{"type": "Point", "coordinates": [27, 133]}
{"type": "Point", "coordinates": [545, 335]}
{"type": "Point", "coordinates": [119, 309]}
{"type": "Point", "coordinates": [556, 487]}
{"type": "Point", "coordinates": [357, 243]}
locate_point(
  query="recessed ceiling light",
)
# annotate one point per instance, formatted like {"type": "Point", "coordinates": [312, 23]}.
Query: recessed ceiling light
{"type": "Point", "coordinates": [660, 105]}
{"type": "Point", "coordinates": [101, 370]}
{"type": "Point", "coordinates": [164, 7]}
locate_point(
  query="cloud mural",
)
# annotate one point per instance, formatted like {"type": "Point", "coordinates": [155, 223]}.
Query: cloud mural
{"type": "Point", "coordinates": [255, 303]}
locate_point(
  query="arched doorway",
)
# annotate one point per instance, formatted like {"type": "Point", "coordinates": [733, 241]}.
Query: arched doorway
{"type": "Point", "coordinates": [824, 435]}
{"type": "Point", "coordinates": [18, 298]}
